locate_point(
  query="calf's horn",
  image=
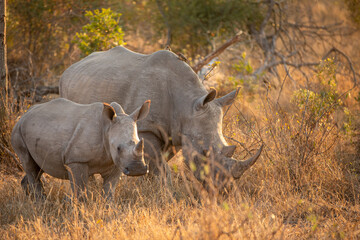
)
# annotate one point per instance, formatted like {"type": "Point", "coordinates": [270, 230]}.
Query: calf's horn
{"type": "Point", "coordinates": [138, 150]}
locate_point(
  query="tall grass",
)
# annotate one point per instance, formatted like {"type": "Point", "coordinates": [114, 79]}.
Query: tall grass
{"type": "Point", "coordinates": [143, 210]}
{"type": "Point", "coordinates": [10, 110]}
{"type": "Point", "coordinates": [305, 185]}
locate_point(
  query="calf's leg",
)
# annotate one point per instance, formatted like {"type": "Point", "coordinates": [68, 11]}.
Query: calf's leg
{"type": "Point", "coordinates": [79, 176]}
{"type": "Point", "coordinates": [111, 180]}
{"type": "Point", "coordinates": [31, 182]}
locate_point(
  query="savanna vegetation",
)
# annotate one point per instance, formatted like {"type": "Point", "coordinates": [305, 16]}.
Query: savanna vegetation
{"type": "Point", "coordinates": [297, 63]}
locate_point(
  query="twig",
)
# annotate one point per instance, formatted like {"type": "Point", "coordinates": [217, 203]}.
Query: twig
{"type": "Point", "coordinates": [281, 88]}
{"type": "Point", "coordinates": [233, 139]}
{"type": "Point", "coordinates": [334, 49]}
{"type": "Point", "coordinates": [177, 230]}
{"type": "Point", "coordinates": [16, 160]}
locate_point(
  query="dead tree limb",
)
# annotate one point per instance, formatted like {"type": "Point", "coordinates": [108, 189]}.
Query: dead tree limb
{"type": "Point", "coordinates": [217, 52]}
{"type": "Point", "coordinates": [286, 42]}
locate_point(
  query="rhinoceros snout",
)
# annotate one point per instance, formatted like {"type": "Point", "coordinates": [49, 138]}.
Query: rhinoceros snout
{"type": "Point", "coordinates": [136, 170]}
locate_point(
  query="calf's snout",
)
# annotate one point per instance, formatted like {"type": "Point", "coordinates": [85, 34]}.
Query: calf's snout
{"type": "Point", "coordinates": [136, 169]}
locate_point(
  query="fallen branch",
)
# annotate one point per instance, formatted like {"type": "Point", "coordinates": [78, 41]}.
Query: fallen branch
{"type": "Point", "coordinates": [41, 91]}
{"type": "Point", "coordinates": [45, 90]}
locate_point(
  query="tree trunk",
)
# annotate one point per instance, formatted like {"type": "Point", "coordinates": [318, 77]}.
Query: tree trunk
{"type": "Point", "coordinates": [4, 83]}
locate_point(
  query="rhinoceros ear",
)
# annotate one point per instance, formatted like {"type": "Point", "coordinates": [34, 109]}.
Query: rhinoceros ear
{"type": "Point", "coordinates": [228, 98]}
{"type": "Point", "coordinates": [118, 109]}
{"type": "Point", "coordinates": [108, 111]}
{"type": "Point", "coordinates": [202, 101]}
{"type": "Point", "coordinates": [141, 112]}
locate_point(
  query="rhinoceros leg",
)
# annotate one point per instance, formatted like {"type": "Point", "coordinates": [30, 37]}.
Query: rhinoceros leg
{"type": "Point", "coordinates": [31, 182]}
{"type": "Point", "coordinates": [111, 180]}
{"type": "Point", "coordinates": [79, 176]}
{"type": "Point", "coordinates": [155, 157]}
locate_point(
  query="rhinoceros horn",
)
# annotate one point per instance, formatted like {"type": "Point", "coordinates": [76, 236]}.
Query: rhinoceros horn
{"type": "Point", "coordinates": [138, 150]}
{"type": "Point", "coordinates": [237, 168]}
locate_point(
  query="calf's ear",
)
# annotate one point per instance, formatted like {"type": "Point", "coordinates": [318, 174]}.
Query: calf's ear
{"type": "Point", "coordinates": [141, 112]}
{"type": "Point", "coordinates": [117, 107]}
{"type": "Point", "coordinates": [108, 111]}
{"type": "Point", "coordinates": [228, 98]}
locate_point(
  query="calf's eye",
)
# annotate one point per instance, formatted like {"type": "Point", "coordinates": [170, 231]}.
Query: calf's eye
{"type": "Point", "coordinates": [119, 149]}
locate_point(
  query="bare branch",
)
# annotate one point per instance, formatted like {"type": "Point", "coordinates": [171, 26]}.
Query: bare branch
{"type": "Point", "coordinates": [217, 52]}
{"type": "Point", "coordinates": [287, 41]}
{"type": "Point", "coordinates": [335, 50]}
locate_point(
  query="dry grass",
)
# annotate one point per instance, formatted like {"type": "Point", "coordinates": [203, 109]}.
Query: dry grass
{"type": "Point", "coordinates": [263, 207]}
{"type": "Point", "coordinates": [276, 199]}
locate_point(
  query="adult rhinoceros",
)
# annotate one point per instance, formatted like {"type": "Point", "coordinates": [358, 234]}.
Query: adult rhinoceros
{"type": "Point", "coordinates": [184, 112]}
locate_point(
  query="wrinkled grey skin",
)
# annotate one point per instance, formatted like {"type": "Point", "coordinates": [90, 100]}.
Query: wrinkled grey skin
{"type": "Point", "coordinates": [72, 141]}
{"type": "Point", "coordinates": [185, 115]}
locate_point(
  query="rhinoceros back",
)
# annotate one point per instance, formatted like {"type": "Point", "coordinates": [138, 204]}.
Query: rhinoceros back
{"type": "Point", "coordinates": [131, 78]}
{"type": "Point", "coordinates": [101, 76]}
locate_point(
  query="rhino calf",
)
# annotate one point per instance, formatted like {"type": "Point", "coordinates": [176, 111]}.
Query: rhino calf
{"type": "Point", "coordinates": [73, 141]}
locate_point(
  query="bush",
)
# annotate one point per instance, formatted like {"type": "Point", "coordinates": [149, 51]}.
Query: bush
{"type": "Point", "coordinates": [102, 33]}
{"type": "Point", "coordinates": [305, 136]}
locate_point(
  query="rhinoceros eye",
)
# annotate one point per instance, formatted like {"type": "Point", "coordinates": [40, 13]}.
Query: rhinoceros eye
{"type": "Point", "coordinates": [119, 149]}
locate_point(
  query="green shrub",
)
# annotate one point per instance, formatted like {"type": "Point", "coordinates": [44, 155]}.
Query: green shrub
{"type": "Point", "coordinates": [305, 132]}
{"type": "Point", "coordinates": [102, 33]}
{"type": "Point", "coordinates": [317, 107]}
{"type": "Point", "coordinates": [241, 75]}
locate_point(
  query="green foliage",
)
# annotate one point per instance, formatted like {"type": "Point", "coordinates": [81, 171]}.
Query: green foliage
{"type": "Point", "coordinates": [243, 66]}
{"type": "Point", "coordinates": [102, 33]}
{"type": "Point", "coordinates": [313, 219]}
{"type": "Point", "coordinates": [241, 73]}
{"type": "Point", "coordinates": [320, 104]}
{"type": "Point", "coordinates": [40, 33]}
{"type": "Point", "coordinates": [195, 24]}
